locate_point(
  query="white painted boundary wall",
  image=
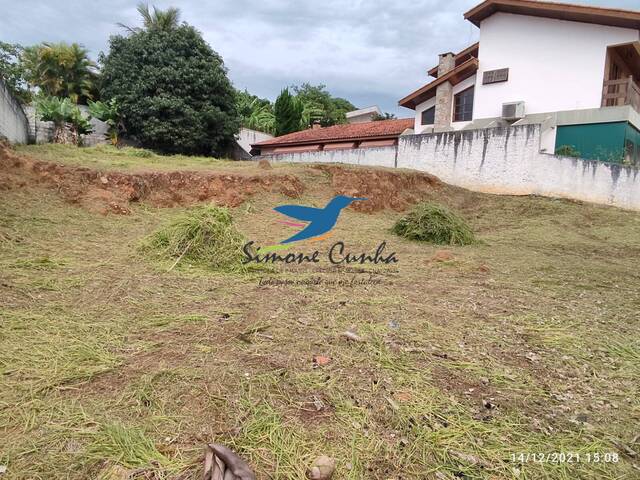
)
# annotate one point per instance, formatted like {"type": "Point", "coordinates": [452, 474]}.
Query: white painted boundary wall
{"type": "Point", "coordinates": [509, 161]}
{"type": "Point", "coordinates": [13, 121]}
{"type": "Point", "coordinates": [373, 157]}
{"type": "Point", "coordinates": [247, 137]}
{"type": "Point", "coordinates": [504, 161]}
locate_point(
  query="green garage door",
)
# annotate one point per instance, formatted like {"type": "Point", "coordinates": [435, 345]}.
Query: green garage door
{"type": "Point", "coordinates": [595, 141]}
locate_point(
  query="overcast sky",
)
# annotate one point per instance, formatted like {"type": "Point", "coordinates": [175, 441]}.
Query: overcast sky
{"type": "Point", "coordinates": [368, 51]}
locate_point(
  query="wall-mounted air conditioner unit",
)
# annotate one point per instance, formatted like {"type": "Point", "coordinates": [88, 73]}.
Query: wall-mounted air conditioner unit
{"type": "Point", "coordinates": [513, 110]}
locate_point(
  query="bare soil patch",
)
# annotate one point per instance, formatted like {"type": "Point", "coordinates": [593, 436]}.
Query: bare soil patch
{"type": "Point", "coordinates": [114, 191]}
{"type": "Point", "coordinates": [383, 188]}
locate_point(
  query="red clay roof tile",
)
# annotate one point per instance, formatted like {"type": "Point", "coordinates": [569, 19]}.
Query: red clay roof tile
{"type": "Point", "coordinates": [353, 131]}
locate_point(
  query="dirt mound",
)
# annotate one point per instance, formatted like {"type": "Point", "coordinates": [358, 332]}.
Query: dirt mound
{"type": "Point", "coordinates": [383, 188]}
{"type": "Point", "coordinates": [114, 191]}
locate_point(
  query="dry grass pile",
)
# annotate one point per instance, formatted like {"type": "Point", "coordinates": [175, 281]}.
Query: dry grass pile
{"type": "Point", "coordinates": [433, 223]}
{"type": "Point", "coordinates": [204, 236]}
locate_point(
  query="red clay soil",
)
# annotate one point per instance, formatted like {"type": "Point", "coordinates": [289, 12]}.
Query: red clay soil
{"type": "Point", "coordinates": [112, 192]}
{"type": "Point", "coordinates": [383, 188]}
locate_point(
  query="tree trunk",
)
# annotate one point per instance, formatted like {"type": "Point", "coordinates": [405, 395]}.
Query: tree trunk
{"type": "Point", "coordinates": [63, 134]}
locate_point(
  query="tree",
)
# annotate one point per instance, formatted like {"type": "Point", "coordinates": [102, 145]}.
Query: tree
{"type": "Point", "coordinates": [321, 105]}
{"type": "Point", "coordinates": [172, 90]}
{"type": "Point", "coordinates": [288, 112]}
{"type": "Point", "coordinates": [61, 70]}
{"type": "Point", "coordinates": [385, 116]}
{"type": "Point", "coordinates": [12, 71]}
{"type": "Point", "coordinates": [166, 20]}
{"type": "Point", "coordinates": [256, 113]}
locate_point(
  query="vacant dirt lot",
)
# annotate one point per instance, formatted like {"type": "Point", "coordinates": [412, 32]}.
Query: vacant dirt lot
{"type": "Point", "coordinates": [111, 366]}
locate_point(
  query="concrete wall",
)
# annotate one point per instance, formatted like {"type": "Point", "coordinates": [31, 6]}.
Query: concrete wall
{"type": "Point", "coordinates": [553, 64]}
{"type": "Point", "coordinates": [509, 161]}
{"type": "Point", "coordinates": [246, 137]}
{"type": "Point", "coordinates": [497, 160]}
{"type": "Point", "coordinates": [373, 156]}
{"type": "Point", "coordinates": [42, 132]}
{"type": "Point", "coordinates": [13, 121]}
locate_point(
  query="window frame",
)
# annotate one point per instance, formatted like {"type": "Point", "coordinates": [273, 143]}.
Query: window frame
{"type": "Point", "coordinates": [455, 99]}
{"type": "Point", "coordinates": [425, 111]}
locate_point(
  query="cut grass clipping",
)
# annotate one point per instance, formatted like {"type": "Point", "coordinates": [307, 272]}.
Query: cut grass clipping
{"type": "Point", "coordinates": [433, 223]}
{"type": "Point", "coordinates": [203, 237]}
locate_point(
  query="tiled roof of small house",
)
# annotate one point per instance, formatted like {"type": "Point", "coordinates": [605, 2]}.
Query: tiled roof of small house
{"type": "Point", "coordinates": [353, 131]}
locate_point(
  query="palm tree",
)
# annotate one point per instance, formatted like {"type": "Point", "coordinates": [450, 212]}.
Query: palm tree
{"type": "Point", "coordinates": [61, 70]}
{"type": "Point", "coordinates": [157, 20]}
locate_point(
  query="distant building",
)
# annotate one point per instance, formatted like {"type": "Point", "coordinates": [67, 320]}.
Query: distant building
{"type": "Point", "coordinates": [244, 139]}
{"type": "Point", "coordinates": [364, 115]}
{"type": "Point", "coordinates": [355, 135]}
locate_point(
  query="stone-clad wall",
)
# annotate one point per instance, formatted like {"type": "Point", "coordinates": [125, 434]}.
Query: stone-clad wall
{"type": "Point", "coordinates": [499, 160]}
{"type": "Point", "coordinates": [42, 132]}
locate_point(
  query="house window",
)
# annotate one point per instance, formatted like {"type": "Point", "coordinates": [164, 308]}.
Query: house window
{"type": "Point", "coordinates": [429, 116]}
{"type": "Point", "coordinates": [463, 106]}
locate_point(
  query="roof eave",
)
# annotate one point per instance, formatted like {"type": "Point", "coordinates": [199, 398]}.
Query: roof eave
{"type": "Point", "coordinates": [559, 11]}
{"type": "Point", "coordinates": [460, 73]}
{"type": "Point", "coordinates": [324, 141]}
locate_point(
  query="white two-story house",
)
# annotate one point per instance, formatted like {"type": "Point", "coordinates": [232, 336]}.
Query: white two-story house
{"type": "Point", "coordinates": [574, 69]}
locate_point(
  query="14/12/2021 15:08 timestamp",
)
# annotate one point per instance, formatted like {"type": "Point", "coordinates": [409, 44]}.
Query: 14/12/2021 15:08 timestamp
{"type": "Point", "coordinates": [565, 457]}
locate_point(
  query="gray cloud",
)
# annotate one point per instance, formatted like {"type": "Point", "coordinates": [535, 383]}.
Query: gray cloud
{"type": "Point", "coordinates": [369, 51]}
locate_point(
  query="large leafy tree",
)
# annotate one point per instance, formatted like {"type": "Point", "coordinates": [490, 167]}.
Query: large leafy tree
{"type": "Point", "coordinates": [172, 90]}
{"type": "Point", "coordinates": [12, 71]}
{"type": "Point", "coordinates": [61, 70]}
{"type": "Point", "coordinates": [320, 105]}
{"type": "Point", "coordinates": [288, 111]}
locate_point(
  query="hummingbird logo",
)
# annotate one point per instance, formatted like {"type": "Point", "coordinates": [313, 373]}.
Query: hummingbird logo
{"type": "Point", "coordinates": [320, 220]}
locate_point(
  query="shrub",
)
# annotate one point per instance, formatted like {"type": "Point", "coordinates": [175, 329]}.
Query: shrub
{"type": "Point", "coordinates": [430, 222]}
{"type": "Point", "coordinates": [108, 113]}
{"type": "Point", "coordinates": [204, 236]}
{"type": "Point", "coordinates": [567, 151]}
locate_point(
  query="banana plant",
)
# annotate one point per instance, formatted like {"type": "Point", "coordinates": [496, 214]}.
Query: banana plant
{"type": "Point", "coordinates": [109, 113]}
{"type": "Point", "coordinates": [68, 121]}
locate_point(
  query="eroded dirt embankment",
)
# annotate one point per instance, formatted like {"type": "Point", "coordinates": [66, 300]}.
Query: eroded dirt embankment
{"type": "Point", "coordinates": [383, 188]}
{"type": "Point", "coordinates": [114, 191]}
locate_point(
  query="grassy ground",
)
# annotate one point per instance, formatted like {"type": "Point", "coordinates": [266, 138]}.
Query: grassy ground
{"type": "Point", "coordinates": [526, 342]}
{"type": "Point", "coordinates": [107, 157]}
